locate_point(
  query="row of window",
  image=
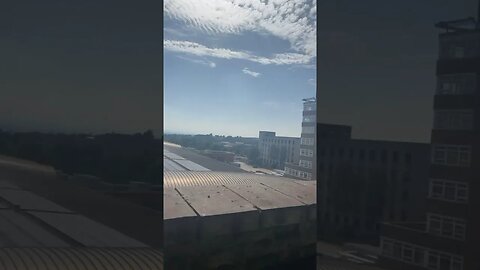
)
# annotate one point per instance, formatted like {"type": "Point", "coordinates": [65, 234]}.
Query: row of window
{"type": "Point", "coordinates": [448, 190]}
{"type": "Point", "coordinates": [305, 163]}
{"type": "Point", "coordinates": [453, 119]}
{"type": "Point", "coordinates": [456, 84]}
{"type": "Point", "coordinates": [278, 141]}
{"type": "Point", "coordinates": [309, 119]}
{"type": "Point", "coordinates": [373, 155]}
{"type": "Point", "coordinates": [446, 226]}
{"type": "Point", "coordinates": [306, 152]}
{"type": "Point", "coordinates": [462, 46]}
{"type": "Point", "coordinates": [421, 256]}
{"type": "Point", "coordinates": [308, 130]}
{"type": "Point", "coordinates": [307, 141]}
{"type": "Point", "coordinates": [309, 107]}
{"type": "Point", "coordinates": [297, 173]}
{"type": "Point", "coordinates": [451, 155]}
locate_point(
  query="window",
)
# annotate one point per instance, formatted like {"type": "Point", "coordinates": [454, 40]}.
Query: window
{"type": "Point", "coordinates": [395, 157]}
{"type": "Point", "coordinates": [451, 155]}
{"type": "Point", "coordinates": [446, 226]}
{"type": "Point", "coordinates": [459, 46]}
{"type": "Point", "coordinates": [372, 155]}
{"type": "Point", "coordinates": [309, 119]}
{"type": "Point", "coordinates": [403, 251]}
{"type": "Point", "coordinates": [456, 84]}
{"type": "Point", "coordinates": [306, 152]}
{"type": "Point", "coordinates": [444, 261]}
{"type": "Point", "coordinates": [420, 256]}
{"type": "Point", "coordinates": [307, 141]}
{"type": "Point", "coordinates": [309, 107]}
{"type": "Point", "coordinates": [305, 164]}
{"type": "Point", "coordinates": [448, 190]}
{"type": "Point", "coordinates": [308, 129]}
{"type": "Point", "coordinates": [453, 119]}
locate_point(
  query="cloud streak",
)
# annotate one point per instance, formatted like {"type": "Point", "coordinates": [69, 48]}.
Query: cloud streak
{"type": "Point", "coordinates": [291, 20]}
{"type": "Point", "coordinates": [198, 61]}
{"type": "Point", "coordinates": [197, 49]}
{"type": "Point", "coordinates": [251, 73]}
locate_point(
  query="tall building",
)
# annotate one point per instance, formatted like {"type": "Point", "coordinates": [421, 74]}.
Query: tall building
{"type": "Point", "coordinates": [306, 167]}
{"type": "Point", "coordinates": [362, 183]}
{"type": "Point", "coordinates": [448, 236]}
{"type": "Point", "coordinates": [275, 151]}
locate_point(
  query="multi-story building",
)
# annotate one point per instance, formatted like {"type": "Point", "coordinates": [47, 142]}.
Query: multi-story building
{"type": "Point", "coordinates": [362, 183]}
{"type": "Point", "coordinates": [275, 151]}
{"type": "Point", "coordinates": [306, 167]}
{"type": "Point", "coordinates": [448, 236]}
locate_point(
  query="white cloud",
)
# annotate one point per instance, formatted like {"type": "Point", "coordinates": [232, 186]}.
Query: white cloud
{"type": "Point", "coordinates": [312, 82]}
{"type": "Point", "coordinates": [291, 20]}
{"type": "Point", "coordinates": [251, 73]}
{"type": "Point", "coordinates": [198, 61]}
{"type": "Point", "coordinates": [197, 49]}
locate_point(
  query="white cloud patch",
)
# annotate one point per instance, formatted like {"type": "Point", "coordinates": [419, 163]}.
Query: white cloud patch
{"type": "Point", "coordinates": [199, 61]}
{"type": "Point", "coordinates": [251, 73]}
{"type": "Point", "coordinates": [291, 20]}
{"type": "Point", "coordinates": [197, 49]}
{"type": "Point", "coordinates": [312, 82]}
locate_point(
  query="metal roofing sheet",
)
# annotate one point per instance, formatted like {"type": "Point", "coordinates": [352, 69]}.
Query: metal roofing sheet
{"type": "Point", "coordinates": [87, 231]}
{"type": "Point", "coordinates": [264, 197]}
{"type": "Point", "coordinates": [170, 165]}
{"type": "Point", "coordinates": [7, 185]}
{"type": "Point", "coordinates": [190, 178]}
{"type": "Point", "coordinates": [191, 166]}
{"type": "Point", "coordinates": [80, 259]}
{"type": "Point", "coordinates": [171, 155]}
{"type": "Point", "coordinates": [30, 201]}
{"type": "Point", "coordinates": [17, 230]}
{"type": "Point", "coordinates": [174, 206]}
{"type": "Point", "coordinates": [214, 200]}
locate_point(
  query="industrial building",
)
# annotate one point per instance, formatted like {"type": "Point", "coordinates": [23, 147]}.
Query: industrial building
{"type": "Point", "coordinates": [276, 151]}
{"type": "Point", "coordinates": [218, 216]}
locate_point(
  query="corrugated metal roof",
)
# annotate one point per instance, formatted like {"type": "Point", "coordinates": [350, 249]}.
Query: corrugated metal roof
{"type": "Point", "coordinates": [86, 231]}
{"type": "Point", "coordinates": [191, 166]}
{"type": "Point", "coordinates": [171, 155]}
{"type": "Point", "coordinates": [30, 201]}
{"type": "Point", "coordinates": [189, 178]}
{"type": "Point", "coordinates": [170, 165]}
{"type": "Point", "coordinates": [80, 259]}
{"type": "Point", "coordinates": [18, 230]}
{"type": "Point", "coordinates": [204, 161]}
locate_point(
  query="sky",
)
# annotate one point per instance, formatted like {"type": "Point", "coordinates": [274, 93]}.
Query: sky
{"type": "Point", "coordinates": [235, 67]}
{"type": "Point", "coordinates": [376, 64]}
{"type": "Point", "coordinates": [89, 66]}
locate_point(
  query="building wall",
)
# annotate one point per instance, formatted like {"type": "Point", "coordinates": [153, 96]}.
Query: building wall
{"type": "Point", "coordinates": [363, 183]}
{"type": "Point", "coordinates": [451, 217]}
{"type": "Point", "coordinates": [306, 166]}
{"type": "Point", "coordinates": [276, 151]}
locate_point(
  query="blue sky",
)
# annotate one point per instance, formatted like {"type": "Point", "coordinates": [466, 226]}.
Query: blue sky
{"type": "Point", "coordinates": [234, 67]}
